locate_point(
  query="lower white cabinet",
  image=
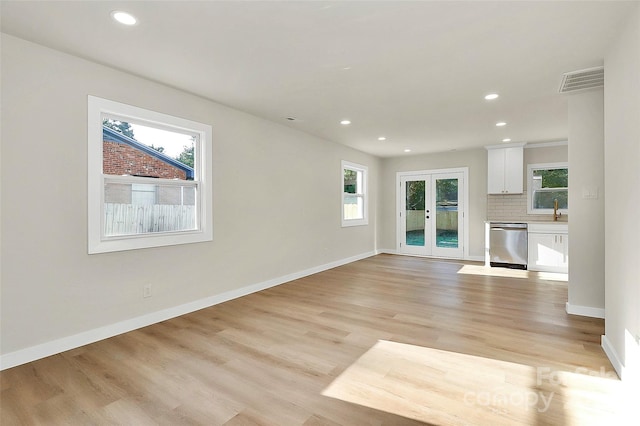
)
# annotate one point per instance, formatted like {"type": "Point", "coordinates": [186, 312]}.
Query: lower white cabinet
{"type": "Point", "coordinates": [548, 251]}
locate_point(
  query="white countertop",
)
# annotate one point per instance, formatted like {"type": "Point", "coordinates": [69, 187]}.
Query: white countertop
{"type": "Point", "coordinates": [538, 226]}
{"type": "Point", "coordinates": [529, 222]}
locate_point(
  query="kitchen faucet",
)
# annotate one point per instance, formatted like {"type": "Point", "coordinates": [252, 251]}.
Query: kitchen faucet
{"type": "Point", "coordinates": [556, 214]}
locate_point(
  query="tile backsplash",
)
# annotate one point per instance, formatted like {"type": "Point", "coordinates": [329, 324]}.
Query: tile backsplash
{"type": "Point", "coordinates": [513, 207]}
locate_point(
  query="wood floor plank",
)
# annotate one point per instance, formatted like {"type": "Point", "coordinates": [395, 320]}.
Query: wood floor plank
{"type": "Point", "coordinates": [389, 340]}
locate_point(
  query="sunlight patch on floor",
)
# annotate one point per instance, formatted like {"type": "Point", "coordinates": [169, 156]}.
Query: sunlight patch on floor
{"type": "Point", "coordinates": [442, 387]}
{"type": "Point", "coordinates": [512, 273]}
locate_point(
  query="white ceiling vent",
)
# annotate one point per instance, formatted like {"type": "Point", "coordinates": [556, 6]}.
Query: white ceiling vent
{"type": "Point", "coordinates": [582, 79]}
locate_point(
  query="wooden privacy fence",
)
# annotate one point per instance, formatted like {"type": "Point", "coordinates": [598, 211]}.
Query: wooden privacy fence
{"type": "Point", "coordinates": [445, 220]}
{"type": "Point", "coordinates": [132, 219]}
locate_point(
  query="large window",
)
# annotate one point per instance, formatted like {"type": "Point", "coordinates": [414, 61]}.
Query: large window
{"type": "Point", "coordinates": [354, 194]}
{"type": "Point", "coordinates": [548, 184]}
{"type": "Point", "coordinates": [149, 178]}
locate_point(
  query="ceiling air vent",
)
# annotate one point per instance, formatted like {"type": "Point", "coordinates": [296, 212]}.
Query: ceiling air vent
{"type": "Point", "coordinates": [582, 79]}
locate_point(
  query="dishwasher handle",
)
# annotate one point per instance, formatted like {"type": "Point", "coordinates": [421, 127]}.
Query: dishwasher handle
{"type": "Point", "coordinates": [508, 226]}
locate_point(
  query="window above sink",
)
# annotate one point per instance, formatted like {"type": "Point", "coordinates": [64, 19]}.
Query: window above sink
{"type": "Point", "coordinates": [547, 183]}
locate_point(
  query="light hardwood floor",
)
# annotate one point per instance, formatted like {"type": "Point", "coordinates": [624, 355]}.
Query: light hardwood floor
{"type": "Point", "coordinates": [389, 340]}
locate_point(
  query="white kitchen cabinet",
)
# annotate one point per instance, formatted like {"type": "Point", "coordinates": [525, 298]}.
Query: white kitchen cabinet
{"type": "Point", "coordinates": [505, 169]}
{"type": "Point", "coordinates": [548, 249]}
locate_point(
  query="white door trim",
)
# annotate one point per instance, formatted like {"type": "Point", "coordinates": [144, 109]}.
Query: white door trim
{"type": "Point", "coordinates": [465, 195]}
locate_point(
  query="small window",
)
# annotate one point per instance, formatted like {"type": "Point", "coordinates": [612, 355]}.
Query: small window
{"type": "Point", "coordinates": [548, 184]}
{"type": "Point", "coordinates": [354, 194]}
{"type": "Point", "coordinates": [149, 178]}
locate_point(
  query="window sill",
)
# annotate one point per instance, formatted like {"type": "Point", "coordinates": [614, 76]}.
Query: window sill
{"type": "Point", "coordinates": [546, 212]}
{"type": "Point", "coordinates": [350, 223]}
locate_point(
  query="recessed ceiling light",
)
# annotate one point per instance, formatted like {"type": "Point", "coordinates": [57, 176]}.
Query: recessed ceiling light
{"type": "Point", "coordinates": [501, 123]}
{"type": "Point", "coordinates": [345, 122]}
{"type": "Point", "coordinates": [123, 17]}
{"type": "Point", "coordinates": [491, 96]}
{"type": "Point", "coordinates": [506, 140]}
{"type": "Point", "coordinates": [382, 138]}
{"type": "Point", "coordinates": [407, 150]}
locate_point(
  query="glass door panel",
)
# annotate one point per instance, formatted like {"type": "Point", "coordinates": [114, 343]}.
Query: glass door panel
{"type": "Point", "coordinates": [447, 213]}
{"type": "Point", "coordinates": [415, 228]}
{"type": "Point", "coordinates": [448, 218]}
{"type": "Point", "coordinates": [414, 213]}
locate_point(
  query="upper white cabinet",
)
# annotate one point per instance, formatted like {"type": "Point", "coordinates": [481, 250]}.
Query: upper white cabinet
{"type": "Point", "coordinates": [505, 169]}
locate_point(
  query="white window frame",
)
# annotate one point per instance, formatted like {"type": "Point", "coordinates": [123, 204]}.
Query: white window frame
{"type": "Point", "coordinates": [203, 176]}
{"type": "Point", "coordinates": [530, 170]}
{"type": "Point", "coordinates": [361, 194]}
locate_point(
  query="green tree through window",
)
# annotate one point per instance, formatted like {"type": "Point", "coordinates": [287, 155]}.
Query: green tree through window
{"type": "Point", "coordinates": [415, 195]}
{"type": "Point", "coordinates": [119, 126]}
{"type": "Point", "coordinates": [549, 184]}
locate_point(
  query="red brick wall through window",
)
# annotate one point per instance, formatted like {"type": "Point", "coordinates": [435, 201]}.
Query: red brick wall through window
{"type": "Point", "coordinates": [122, 159]}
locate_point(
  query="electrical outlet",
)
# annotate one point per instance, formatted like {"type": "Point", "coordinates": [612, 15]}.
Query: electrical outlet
{"type": "Point", "coordinates": [146, 290]}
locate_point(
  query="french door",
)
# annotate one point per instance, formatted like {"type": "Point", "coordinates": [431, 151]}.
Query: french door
{"type": "Point", "coordinates": [431, 211]}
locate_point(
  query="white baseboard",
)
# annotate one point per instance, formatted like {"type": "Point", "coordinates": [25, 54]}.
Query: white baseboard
{"type": "Point", "coordinates": [394, 251]}
{"type": "Point", "coordinates": [585, 311]}
{"type": "Point", "coordinates": [53, 347]}
{"type": "Point", "coordinates": [613, 356]}
{"type": "Point", "coordinates": [628, 371]}
{"type": "Point", "coordinates": [386, 251]}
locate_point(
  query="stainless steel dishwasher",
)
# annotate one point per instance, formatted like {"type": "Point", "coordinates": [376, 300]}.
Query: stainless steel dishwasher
{"type": "Point", "coordinates": [508, 244]}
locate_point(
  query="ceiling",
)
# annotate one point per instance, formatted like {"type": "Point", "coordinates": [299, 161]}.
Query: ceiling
{"type": "Point", "coordinates": [413, 72]}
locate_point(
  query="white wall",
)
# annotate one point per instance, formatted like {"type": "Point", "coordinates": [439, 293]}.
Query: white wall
{"type": "Point", "coordinates": [283, 183]}
{"type": "Point", "coordinates": [475, 159]}
{"type": "Point", "coordinates": [541, 153]}
{"type": "Point", "coordinates": [586, 227]}
{"type": "Point", "coordinates": [622, 209]}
